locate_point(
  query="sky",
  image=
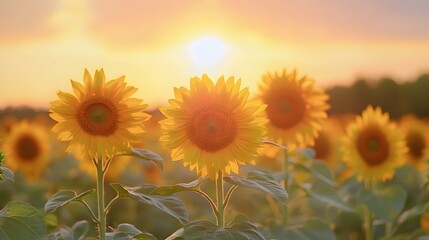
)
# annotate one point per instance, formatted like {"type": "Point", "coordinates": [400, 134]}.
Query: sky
{"type": "Point", "coordinates": [161, 44]}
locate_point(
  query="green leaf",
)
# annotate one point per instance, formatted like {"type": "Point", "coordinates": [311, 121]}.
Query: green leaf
{"type": "Point", "coordinates": [180, 187]}
{"type": "Point", "coordinates": [148, 155]}
{"type": "Point", "coordinates": [312, 230]}
{"type": "Point", "coordinates": [171, 205]}
{"type": "Point", "coordinates": [386, 203]}
{"type": "Point", "coordinates": [144, 236]}
{"type": "Point", "coordinates": [20, 220]}
{"type": "Point", "coordinates": [128, 228]}
{"type": "Point", "coordinates": [6, 174]}
{"type": "Point", "coordinates": [261, 181]}
{"type": "Point", "coordinates": [129, 232]}
{"type": "Point", "coordinates": [319, 170]}
{"type": "Point", "coordinates": [2, 155]}
{"type": "Point", "coordinates": [416, 211]}
{"type": "Point", "coordinates": [307, 152]}
{"type": "Point", "coordinates": [118, 236]}
{"type": "Point", "coordinates": [325, 193]}
{"type": "Point", "coordinates": [80, 229]}
{"type": "Point", "coordinates": [63, 197]}
{"type": "Point", "coordinates": [208, 231]}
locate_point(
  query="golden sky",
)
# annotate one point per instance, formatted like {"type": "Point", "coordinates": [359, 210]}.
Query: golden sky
{"type": "Point", "coordinates": [159, 44]}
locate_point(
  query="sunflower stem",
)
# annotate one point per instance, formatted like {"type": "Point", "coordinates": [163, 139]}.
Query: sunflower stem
{"type": "Point", "coordinates": [211, 202]}
{"type": "Point", "coordinates": [100, 199]}
{"type": "Point", "coordinates": [368, 218]}
{"type": "Point", "coordinates": [228, 195]}
{"type": "Point", "coordinates": [388, 232]}
{"type": "Point", "coordinates": [93, 217]}
{"type": "Point", "coordinates": [285, 181]}
{"type": "Point", "coordinates": [220, 199]}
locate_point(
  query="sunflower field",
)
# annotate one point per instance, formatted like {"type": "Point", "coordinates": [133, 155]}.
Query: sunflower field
{"type": "Point", "coordinates": [217, 163]}
{"type": "Point", "coordinates": [214, 120]}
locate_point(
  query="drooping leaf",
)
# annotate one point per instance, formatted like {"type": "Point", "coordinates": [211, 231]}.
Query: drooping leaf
{"type": "Point", "coordinates": [206, 230]}
{"type": "Point", "coordinates": [416, 211]}
{"type": "Point", "coordinates": [118, 236]}
{"type": "Point", "coordinates": [311, 230]}
{"type": "Point", "coordinates": [171, 205]}
{"type": "Point", "coordinates": [180, 187]}
{"type": "Point", "coordinates": [148, 155]}
{"type": "Point", "coordinates": [64, 197]}
{"type": "Point", "coordinates": [325, 193]}
{"type": "Point", "coordinates": [260, 180]}
{"type": "Point", "coordinates": [307, 152]}
{"type": "Point", "coordinates": [386, 203]}
{"type": "Point", "coordinates": [80, 229]}
{"type": "Point", "coordinates": [128, 228]}
{"type": "Point", "coordinates": [6, 174]}
{"type": "Point", "coordinates": [319, 170]}
{"type": "Point", "coordinates": [129, 232]}
{"type": "Point", "coordinates": [20, 220]}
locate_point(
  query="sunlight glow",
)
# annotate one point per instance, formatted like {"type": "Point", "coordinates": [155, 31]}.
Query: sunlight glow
{"type": "Point", "coordinates": [206, 51]}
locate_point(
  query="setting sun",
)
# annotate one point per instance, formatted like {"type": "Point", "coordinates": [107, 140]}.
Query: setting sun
{"type": "Point", "coordinates": [206, 51]}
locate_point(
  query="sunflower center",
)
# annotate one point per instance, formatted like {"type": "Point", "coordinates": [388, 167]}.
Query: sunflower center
{"type": "Point", "coordinates": [322, 146]}
{"type": "Point", "coordinates": [285, 109]}
{"type": "Point", "coordinates": [27, 148]}
{"type": "Point", "coordinates": [211, 129]}
{"type": "Point", "coordinates": [98, 116]}
{"type": "Point", "coordinates": [372, 145]}
{"type": "Point", "coordinates": [416, 144]}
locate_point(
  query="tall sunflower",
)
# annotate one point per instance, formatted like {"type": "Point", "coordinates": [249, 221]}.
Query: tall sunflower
{"type": "Point", "coordinates": [27, 149]}
{"type": "Point", "coordinates": [295, 108]}
{"type": "Point", "coordinates": [417, 138]}
{"type": "Point", "coordinates": [326, 145]}
{"type": "Point", "coordinates": [213, 127]}
{"type": "Point", "coordinates": [101, 118]}
{"type": "Point", "coordinates": [374, 146]}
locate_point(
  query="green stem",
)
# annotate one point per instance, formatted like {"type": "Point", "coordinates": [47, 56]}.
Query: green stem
{"type": "Point", "coordinates": [212, 204]}
{"type": "Point", "coordinates": [389, 227]}
{"type": "Point", "coordinates": [93, 217]}
{"type": "Point", "coordinates": [285, 170]}
{"type": "Point", "coordinates": [368, 218]}
{"type": "Point", "coordinates": [100, 200]}
{"type": "Point", "coordinates": [286, 176]}
{"type": "Point", "coordinates": [220, 199]}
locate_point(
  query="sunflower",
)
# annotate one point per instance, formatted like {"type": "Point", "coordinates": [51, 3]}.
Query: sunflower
{"type": "Point", "coordinates": [213, 127]}
{"type": "Point", "coordinates": [417, 138]}
{"type": "Point", "coordinates": [326, 145]}
{"type": "Point", "coordinates": [374, 146]}
{"type": "Point", "coordinates": [100, 118]}
{"type": "Point", "coordinates": [295, 109]}
{"type": "Point", "coordinates": [27, 149]}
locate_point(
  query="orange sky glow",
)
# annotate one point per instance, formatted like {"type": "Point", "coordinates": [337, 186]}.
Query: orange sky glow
{"type": "Point", "coordinates": [160, 44]}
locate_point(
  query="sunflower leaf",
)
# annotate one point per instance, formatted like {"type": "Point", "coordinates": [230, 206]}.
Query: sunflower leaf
{"type": "Point", "coordinates": [260, 180]}
{"type": "Point", "coordinates": [180, 187]}
{"type": "Point", "coordinates": [6, 174]}
{"type": "Point", "coordinates": [171, 205]}
{"type": "Point", "coordinates": [319, 170]}
{"type": "Point", "coordinates": [129, 232]}
{"type": "Point", "coordinates": [20, 220]}
{"type": "Point", "coordinates": [196, 229]}
{"type": "Point", "coordinates": [311, 230]}
{"type": "Point", "coordinates": [64, 197]}
{"type": "Point", "coordinates": [148, 155]}
{"type": "Point", "coordinates": [325, 193]}
{"type": "Point", "coordinates": [386, 203]}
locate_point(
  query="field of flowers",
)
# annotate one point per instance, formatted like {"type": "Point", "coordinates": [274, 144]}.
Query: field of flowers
{"type": "Point", "coordinates": [218, 162]}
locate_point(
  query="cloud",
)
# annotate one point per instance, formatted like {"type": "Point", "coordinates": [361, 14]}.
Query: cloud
{"type": "Point", "coordinates": [24, 20]}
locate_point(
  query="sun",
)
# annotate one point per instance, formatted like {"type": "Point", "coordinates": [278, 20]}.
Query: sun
{"type": "Point", "coordinates": [207, 51]}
